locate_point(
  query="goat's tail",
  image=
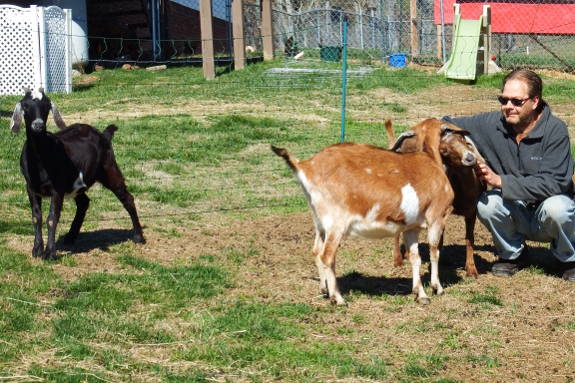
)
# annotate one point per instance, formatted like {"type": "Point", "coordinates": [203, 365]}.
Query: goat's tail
{"type": "Point", "coordinates": [109, 131]}
{"type": "Point", "coordinates": [287, 156]}
{"type": "Point", "coordinates": [390, 133]}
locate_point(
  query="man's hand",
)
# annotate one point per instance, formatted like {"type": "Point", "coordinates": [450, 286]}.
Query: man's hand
{"type": "Point", "coordinates": [486, 174]}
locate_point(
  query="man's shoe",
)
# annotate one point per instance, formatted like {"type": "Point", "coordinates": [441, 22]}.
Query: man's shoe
{"type": "Point", "coordinates": [568, 271]}
{"type": "Point", "coordinates": [508, 267]}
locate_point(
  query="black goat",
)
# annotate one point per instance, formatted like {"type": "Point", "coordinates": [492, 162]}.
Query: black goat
{"type": "Point", "coordinates": [65, 164]}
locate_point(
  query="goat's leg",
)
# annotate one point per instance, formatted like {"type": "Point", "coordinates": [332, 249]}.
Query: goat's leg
{"type": "Point", "coordinates": [36, 205]}
{"type": "Point", "coordinates": [411, 246]}
{"type": "Point", "coordinates": [318, 248]}
{"type": "Point", "coordinates": [327, 263]}
{"type": "Point", "coordinates": [114, 180]}
{"type": "Point", "coordinates": [434, 257]}
{"type": "Point", "coordinates": [52, 222]}
{"type": "Point", "coordinates": [397, 256]}
{"type": "Point", "coordinates": [469, 242]}
{"type": "Point", "coordinates": [82, 203]}
{"type": "Point", "coordinates": [435, 240]}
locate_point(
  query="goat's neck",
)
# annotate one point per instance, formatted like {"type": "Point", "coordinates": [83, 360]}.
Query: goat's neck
{"type": "Point", "coordinates": [467, 179]}
{"type": "Point", "coordinates": [431, 147]}
{"type": "Point", "coordinates": [37, 143]}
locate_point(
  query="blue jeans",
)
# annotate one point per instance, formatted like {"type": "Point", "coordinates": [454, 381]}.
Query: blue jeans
{"type": "Point", "coordinates": [512, 222]}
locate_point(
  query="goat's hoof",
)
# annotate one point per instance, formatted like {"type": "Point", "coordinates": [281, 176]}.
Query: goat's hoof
{"type": "Point", "coordinates": [37, 252]}
{"type": "Point", "coordinates": [438, 291]}
{"type": "Point", "coordinates": [423, 300]}
{"type": "Point", "coordinates": [324, 291]}
{"type": "Point", "coordinates": [139, 238]}
{"type": "Point", "coordinates": [472, 274]}
{"type": "Point", "coordinates": [338, 301]}
{"type": "Point", "coordinates": [49, 256]}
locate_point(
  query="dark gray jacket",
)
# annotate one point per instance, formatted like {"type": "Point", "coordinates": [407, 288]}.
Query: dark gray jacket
{"type": "Point", "coordinates": [539, 167]}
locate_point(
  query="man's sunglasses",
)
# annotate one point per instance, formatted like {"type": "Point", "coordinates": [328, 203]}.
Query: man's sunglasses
{"type": "Point", "coordinates": [514, 101]}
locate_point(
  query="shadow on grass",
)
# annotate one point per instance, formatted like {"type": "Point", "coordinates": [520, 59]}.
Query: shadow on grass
{"type": "Point", "coordinates": [541, 260]}
{"type": "Point", "coordinates": [97, 239]}
{"type": "Point", "coordinates": [373, 286]}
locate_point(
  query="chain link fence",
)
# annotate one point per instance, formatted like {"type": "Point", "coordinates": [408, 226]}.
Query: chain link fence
{"type": "Point", "coordinates": [524, 34]}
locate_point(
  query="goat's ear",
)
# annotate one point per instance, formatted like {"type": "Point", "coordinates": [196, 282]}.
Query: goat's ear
{"type": "Point", "coordinates": [17, 117]}
{"type": "Point", "coordinates": [453, 129]}
{"type": "Point", "coordinates": [402, 137]}
{"type": "Point", "coordinates": [26, 90]}
{"type": "Point", "coordinates": [473, 148]}
{"type": "Point", "coordinates": [57, 117]}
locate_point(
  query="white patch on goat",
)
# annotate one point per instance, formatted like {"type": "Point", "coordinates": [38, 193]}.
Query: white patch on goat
{"type": "Point", "coordinates": [327, 222]}
{"type": "Point", "coordinates": [372, 213]}
{"type": "Point", "coordinates": [409, 204]}
{"type": "Point", "coordinates": [78, 184]}
{"type": "Point", "coordinates": [360, 227]}
{"type": "Point", "coordinates": [37, 95]}
{"type": "Point", "coordinates": [446, 188]}
{"type": "Point", "coordinates": [310, 190]}
{"type": "Point", "coordinates": [368, 170]}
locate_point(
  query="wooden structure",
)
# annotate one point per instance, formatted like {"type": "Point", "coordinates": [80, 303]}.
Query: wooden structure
{"type": "Point", "coordinates": [238, 35]}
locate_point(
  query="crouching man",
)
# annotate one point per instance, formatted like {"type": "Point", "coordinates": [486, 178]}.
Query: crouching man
{"type": "Point", "coordinates": [529, 166]}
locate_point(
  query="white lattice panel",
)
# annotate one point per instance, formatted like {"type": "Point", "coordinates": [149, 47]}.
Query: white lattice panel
{"type": "Point", "coordinates": [35, 48]}
{"type": "Point", "coordinates": [19, 64]}
{"type": "Point", "coordinates": [55, 42]}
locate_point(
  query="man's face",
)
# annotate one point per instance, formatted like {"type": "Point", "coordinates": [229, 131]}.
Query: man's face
{"type": "Point", "coordinates": [518, 116]}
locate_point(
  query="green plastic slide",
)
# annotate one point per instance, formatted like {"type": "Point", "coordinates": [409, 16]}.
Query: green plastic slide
{"type": "Point", "coordinates": [462, 65]}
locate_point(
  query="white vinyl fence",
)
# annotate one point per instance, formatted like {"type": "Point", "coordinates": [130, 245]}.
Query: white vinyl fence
{"type": "Point", "coordinates": [35, 47]}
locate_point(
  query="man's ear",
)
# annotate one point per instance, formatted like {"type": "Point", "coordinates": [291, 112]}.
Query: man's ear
{"type": "Point", "coordinates": [536, 101]}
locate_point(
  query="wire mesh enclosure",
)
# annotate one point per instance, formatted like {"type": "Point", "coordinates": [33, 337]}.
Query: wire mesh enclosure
{"type": "Point", "coordinates": [526, 34]}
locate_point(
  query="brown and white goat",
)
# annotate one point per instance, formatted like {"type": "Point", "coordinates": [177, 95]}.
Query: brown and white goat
{"type": "Point", "coordinates": [369, 192]}
{"type": "Point", "coordinates": [459, 158]}
{"type": "Point", "coordinates": [65, 164]}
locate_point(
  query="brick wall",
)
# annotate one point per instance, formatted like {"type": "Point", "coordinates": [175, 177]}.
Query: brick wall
{"type": "Point", "coordinates": [184, 24]}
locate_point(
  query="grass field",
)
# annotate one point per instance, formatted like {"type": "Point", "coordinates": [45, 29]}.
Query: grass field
{"type": "Point", "coordinates": [225, 289]}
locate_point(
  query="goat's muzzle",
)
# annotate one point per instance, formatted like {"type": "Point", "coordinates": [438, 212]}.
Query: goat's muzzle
{"type": "Point", "coordinates": [469, 159]}
{"type": "Point", "coordinates": [38, 125]}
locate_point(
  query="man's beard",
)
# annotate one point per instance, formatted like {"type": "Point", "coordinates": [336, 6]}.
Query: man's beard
{"type": "Point", "coordinates": [522, 120]}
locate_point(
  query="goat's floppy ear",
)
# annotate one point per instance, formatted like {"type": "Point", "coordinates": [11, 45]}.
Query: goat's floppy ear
{"type": "Point", "coordinates": [473, 148]}
{"type": "Point", "coordinates": [402, 137]}
{"type": "Point", "coordinates": [453, 129]}
{"type": "Point", "coordinates": [57, 117]}
{"type": "Point", "coordinates": [16, 122]}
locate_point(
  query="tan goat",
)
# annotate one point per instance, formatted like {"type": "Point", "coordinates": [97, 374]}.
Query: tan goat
{"type": "Point", "coordinates": [459, 158]}
{"type": "Point", "coordinates": [369, 192]}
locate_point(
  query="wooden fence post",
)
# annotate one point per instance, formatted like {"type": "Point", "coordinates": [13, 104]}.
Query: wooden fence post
{"type": "Point", "coordinates": [414, 36]}
{"type": "Point", "coordinates": [238, 34]}
{"type": "Point", "coordinates": [207, 39]}
{"type": "Point", "coordinates": [267, 30]}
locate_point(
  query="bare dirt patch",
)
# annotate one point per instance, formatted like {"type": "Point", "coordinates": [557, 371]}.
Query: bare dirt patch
{"type": "Point", "coordinates": [529, 337]}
